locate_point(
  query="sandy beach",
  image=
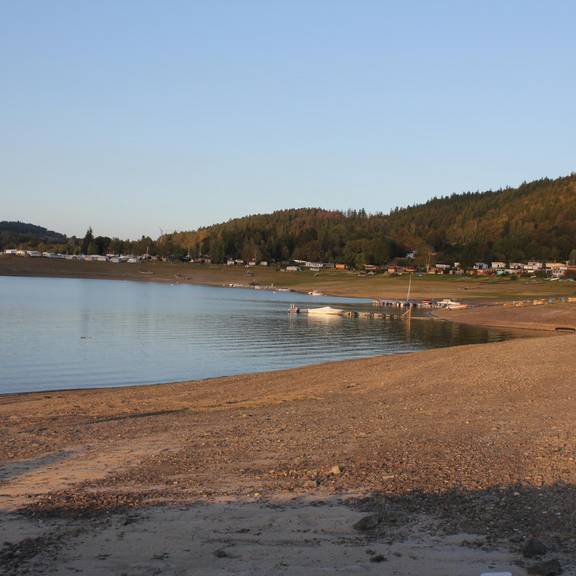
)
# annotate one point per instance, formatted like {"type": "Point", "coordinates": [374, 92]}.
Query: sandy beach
{"type": "Point", "coordinates": [460, 455]}
{"type": "Point", "coordinates": [548, 318]}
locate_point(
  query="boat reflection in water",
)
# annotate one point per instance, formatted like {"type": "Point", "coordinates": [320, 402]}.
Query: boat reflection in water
{"type": "Point", "coordinates": [68, 333]}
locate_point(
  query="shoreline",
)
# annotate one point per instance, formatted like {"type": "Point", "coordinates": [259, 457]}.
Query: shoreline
{"type": "Point", "coordinates": [180, 282]}
{"type": "Point", "coordinates": [332, 283]}
{"type": "Point", "coordinates": [522, 333]}
{"type": "Point", "coordinates": [260, 381]}
{"type": "Point", "coordinates": [542, 321]}
{"type": "Point", "coordinates": [252, 391]}
{"type": "Point", "coordinates": [555, 318]}
{"type": "Point", "coordinates": [480, 432]}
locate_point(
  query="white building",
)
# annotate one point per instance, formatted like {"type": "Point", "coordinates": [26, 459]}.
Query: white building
{"type": "Point", "coordinates": [556, 266]}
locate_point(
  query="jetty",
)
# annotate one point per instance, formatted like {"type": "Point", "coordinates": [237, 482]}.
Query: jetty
{"type": "Point", "coordinates": [421, 304]}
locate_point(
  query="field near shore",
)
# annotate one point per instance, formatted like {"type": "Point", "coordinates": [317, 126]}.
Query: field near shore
{"type": "Point", "coordinates": [337, 283]}
{"type": "Point", "coordinates": [454, 458]}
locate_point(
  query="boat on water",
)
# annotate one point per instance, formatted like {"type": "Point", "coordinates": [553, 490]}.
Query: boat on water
{"type": "Point", "coordinates": [449, 304]}
{"type": "Point", "coordinates": [325, 311]}
{"type": "Point", "coordinates": [315, 293]}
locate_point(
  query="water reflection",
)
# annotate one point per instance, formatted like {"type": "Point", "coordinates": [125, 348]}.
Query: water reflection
{"type": "Point", "coordinates": [68, 333]}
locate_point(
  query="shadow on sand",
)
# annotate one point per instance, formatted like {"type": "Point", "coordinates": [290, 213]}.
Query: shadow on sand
{"type": "Point", "coordinates": [454, 532]}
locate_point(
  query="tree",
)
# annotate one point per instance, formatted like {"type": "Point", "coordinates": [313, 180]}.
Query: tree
{"type": "Point", "coordinates": [88, 239]}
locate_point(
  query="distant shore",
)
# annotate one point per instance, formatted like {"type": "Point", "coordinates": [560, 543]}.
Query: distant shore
{"type": "Point", "coordinates": [333, 283]}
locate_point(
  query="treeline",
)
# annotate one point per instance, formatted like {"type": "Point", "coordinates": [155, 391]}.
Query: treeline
{"type": "Point", "coordinates": [312, 234]}
{"type": "Point", "coordinates": [32, 237]}
{"type": "Point", "coordinates": [537, 220]}
{"type": "Point", "coordinates": [101, 245]}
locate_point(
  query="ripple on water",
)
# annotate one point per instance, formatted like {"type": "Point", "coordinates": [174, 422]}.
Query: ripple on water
{"type": "Point", "coordinates": [71, 333]}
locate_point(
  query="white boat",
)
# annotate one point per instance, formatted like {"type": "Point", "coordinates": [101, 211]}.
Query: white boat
{"type": "Point", "coordinates": [315, 293]}
{"type": "Point", "coordinates": [451, 304]}
{"type": "Point", "coordinates": [325, 311]}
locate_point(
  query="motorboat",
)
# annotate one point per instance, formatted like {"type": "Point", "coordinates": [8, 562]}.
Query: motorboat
{"type": "Point", "coordinates": [325, 311]}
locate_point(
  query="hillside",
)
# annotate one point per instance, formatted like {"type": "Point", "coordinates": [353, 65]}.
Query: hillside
{"type": "Point", "coordinates": [306, 233]}
{"type": "Point", "coordinates": [20, 233]}
{"type": "Point", "coordinates": [535, 220]}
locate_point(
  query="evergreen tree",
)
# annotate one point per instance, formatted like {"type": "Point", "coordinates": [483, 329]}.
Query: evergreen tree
{"type": "Point", "coordinates": [88, 239]}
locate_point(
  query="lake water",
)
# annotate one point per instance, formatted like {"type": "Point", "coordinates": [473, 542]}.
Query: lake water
{"type": "Point", "coordinates": [76, 333]}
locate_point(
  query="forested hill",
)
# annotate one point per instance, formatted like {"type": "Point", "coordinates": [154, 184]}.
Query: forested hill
{"type": "Point", "coordinates": [18, 233]}
{"type": "Point", "coordinates": [305, 233]}
{"type": "Point", "coordinates": [535, 220]}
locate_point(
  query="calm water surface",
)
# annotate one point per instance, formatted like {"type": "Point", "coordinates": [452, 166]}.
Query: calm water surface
{"type": "Point", "coordinates": [75, 333]}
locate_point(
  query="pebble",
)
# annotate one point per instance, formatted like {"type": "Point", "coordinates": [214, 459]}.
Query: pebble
{"type": "Point", "coordinates": [378, 558]}
{"type": "Point", "coordinates": [533, 548]}
{"type": "Point", "coordinates": [221, 553]}
{"type": "Point", "coordinates": [367, 523]}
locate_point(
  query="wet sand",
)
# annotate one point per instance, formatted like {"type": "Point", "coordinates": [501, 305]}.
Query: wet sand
{"type": "Point", "coordinates": [462, 454]}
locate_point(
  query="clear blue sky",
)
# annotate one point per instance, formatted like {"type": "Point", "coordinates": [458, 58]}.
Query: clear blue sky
{"type": "Point", "coordinates": [131, 116]}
